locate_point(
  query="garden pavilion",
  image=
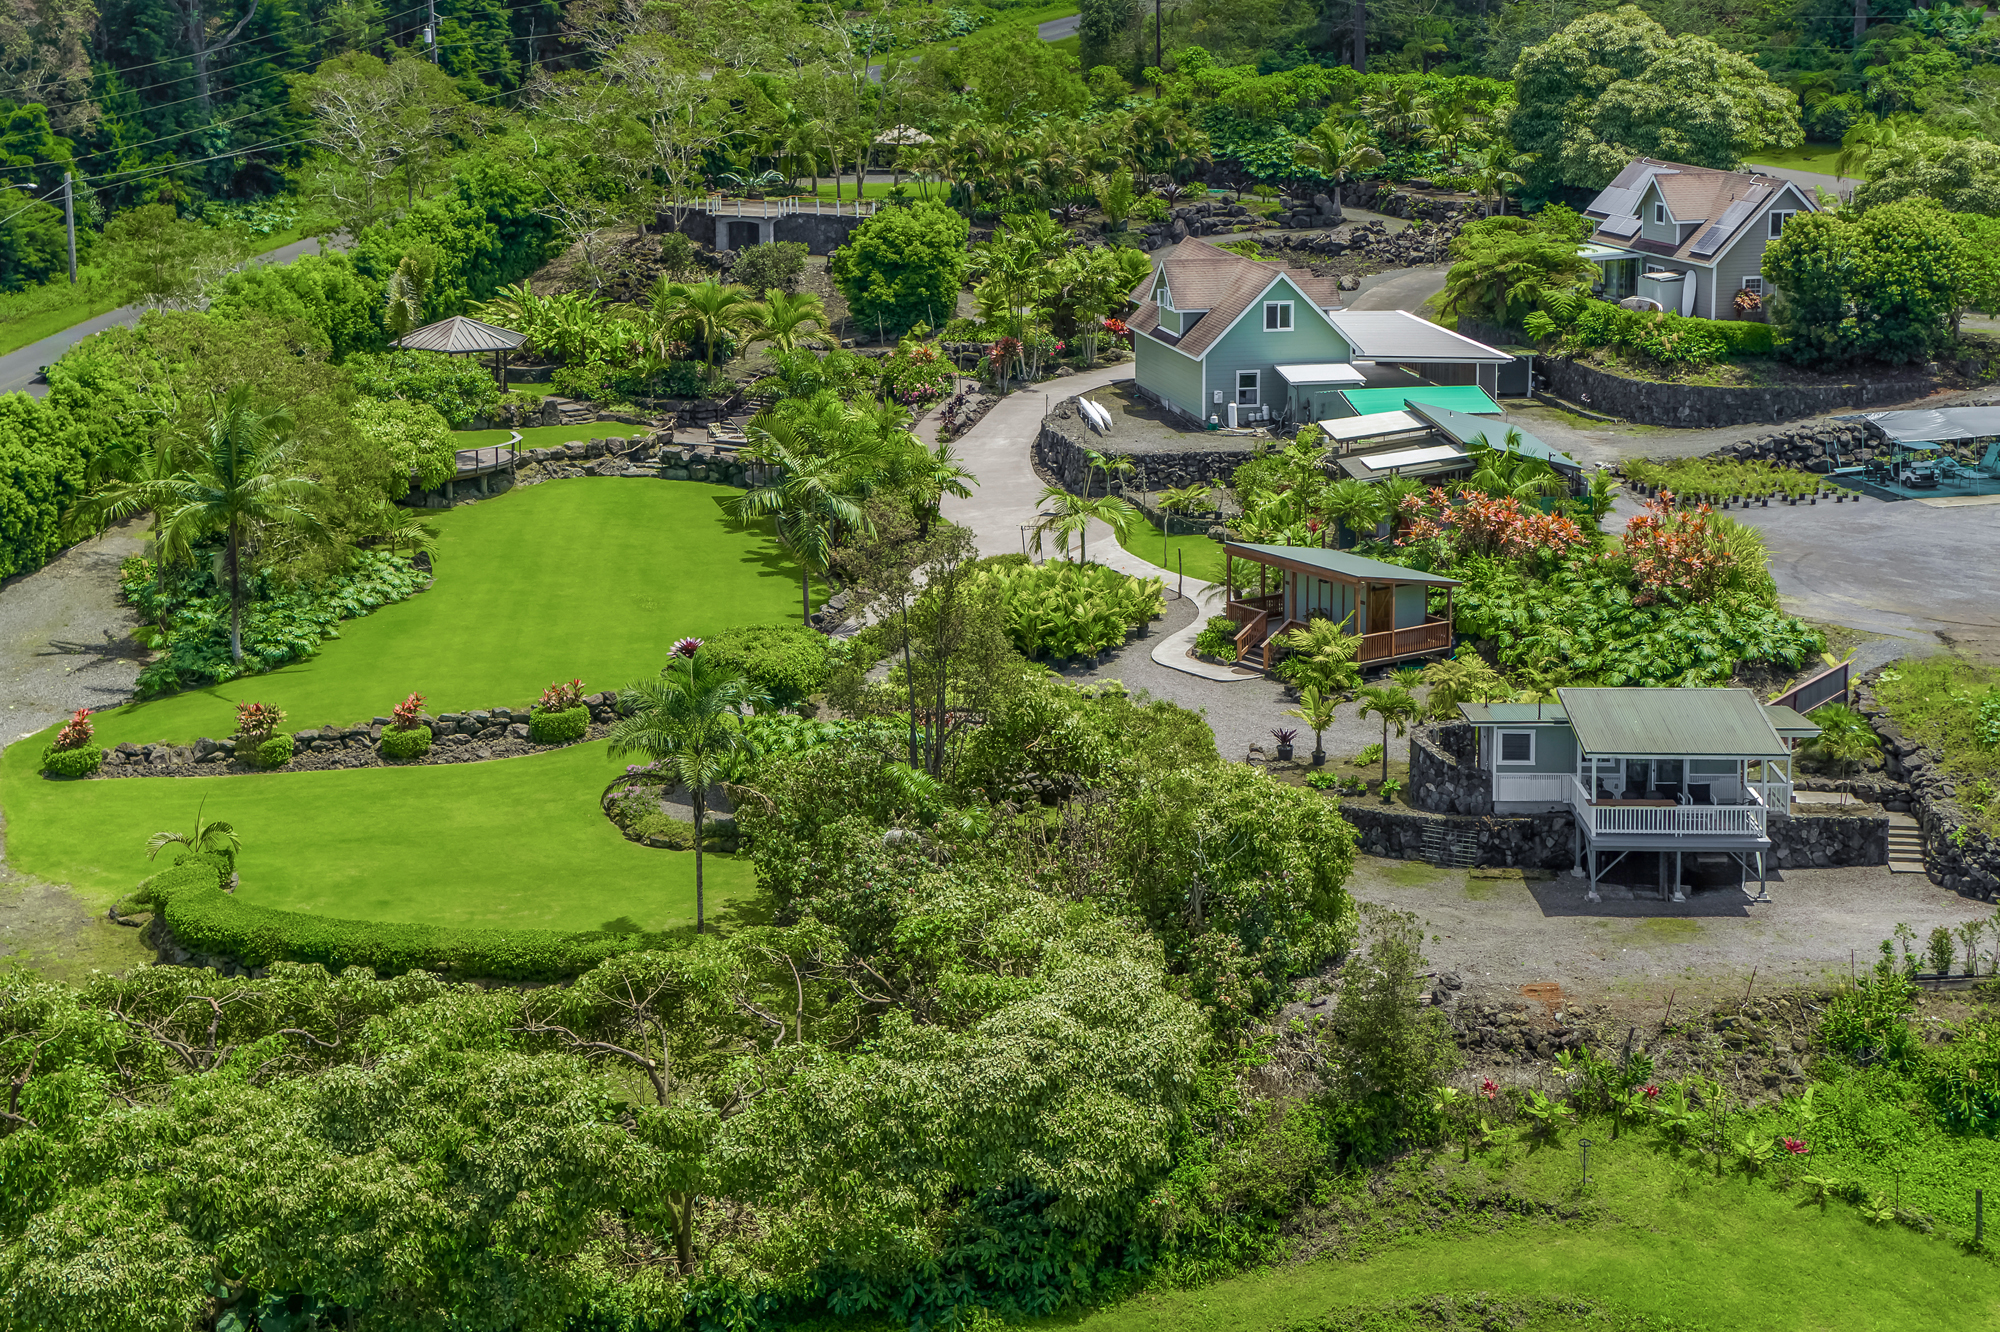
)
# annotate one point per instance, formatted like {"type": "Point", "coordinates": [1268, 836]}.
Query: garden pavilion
{"type": "Point", "coordinates": [462, 335]}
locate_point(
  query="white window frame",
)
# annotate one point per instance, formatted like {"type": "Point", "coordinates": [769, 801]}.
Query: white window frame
{"type": "Point", "coordinates": [1659, 215]}
{"type": "Point", "coordinates": [1166, 297]}
{"type": "Point", "coordinates": [1754, 285]}
{"type": "Point", "coordinates": [1776, 227]}
{"type": "Point", "coordinates": [1273, 308]}
{"type": "Point", "coordinates": [1500, 749]}
{"type": "Point", "coordinates": [1256, 389]}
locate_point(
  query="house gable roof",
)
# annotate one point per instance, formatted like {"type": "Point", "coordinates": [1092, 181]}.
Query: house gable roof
{"type": "Point", "coordinates": [1692, 723]}
{"type": "Point", "coordinates": [1207, 277]}
{"type": "Point", "coordinates": [1338, 564]}
{"type": "Point", "coordinates": [1722, 204]}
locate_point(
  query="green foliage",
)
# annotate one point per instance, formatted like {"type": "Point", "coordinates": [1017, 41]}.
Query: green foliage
{"type": "Point", "coordinates": [280, 624]}
{"type": "Point", "coordinates": [1887, 284]}
{"type": "Point", "coordinates": [416, 437]}
{"type": "Point", "coordinates": [1660, 336]}
{"type": "Point", "coordinates": [42, 459]}
{"type": "Point", "coordinates": [902, 267]}
{"type": "Point", "coordinates": [457, 387]}
{"type": "Point", "coordinates": [1845, 737]}
{"type": "Point", "coordinates": [1392, 1052]}
{"type": "Point", "coordinates": [773, 267]}
{"type": "Point", "coordinates": [72, 762]}
{"type": "Point", "coordinates": [1693, 478]}
{"type": "Point", "coordinates": [321, 293]}
{"type": "Point", "coordinates": [558, 728]}
{"type": "Point", "coordinates": [789, 662]}
{"type": "Point", "coordinates": [1961, 174]}
{"type": "Point", "coordinates": [1506, 267]}
{"type": "Point", "coordinates": [1218, 638]}
{"type": "Point", "coordinates": [405, 743]}
{"type": "Point", "coordinates": [1064, 609]}
{"type": "Point", "coordinates": [490, 229]}
{"type": "Point", "coordinates": [1951, 706]}
{"type": "Point", "coordinates": [1369, 756]}
{"type": "Point", "coordinates": [273, 753]}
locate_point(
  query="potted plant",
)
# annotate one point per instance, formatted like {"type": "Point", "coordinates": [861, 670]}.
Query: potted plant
{"type": "Point", "coordinates": [72, 754]}
{"type": "Point", "coordinates": [559, 715]}
{"type": "Point", "coordinates": [1390, 788]}
{"type": "Point", "coordinates": [407, 737]}
{"type": "Point", "coordinates": [1315, 709]}
{"type": "Point", "coordinates": [258, 740]}
{"type": "Point", "coordinates": [1284, 735]}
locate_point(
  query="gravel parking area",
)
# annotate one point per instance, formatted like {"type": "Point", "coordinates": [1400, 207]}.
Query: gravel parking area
{"type": "Point", "coordinates": [65, 637]}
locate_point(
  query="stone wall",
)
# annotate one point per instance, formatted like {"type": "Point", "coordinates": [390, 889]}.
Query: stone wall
{"type": "Point", "coordinates": [1445, 777]}
{"type": "Point", "coordinates": [1971, 863]}
{"type": "Point", "coordinates": [1887, 792]}
{"type": "Point", "coordinates": [1060, 450]}
{"type": "Point", "coordinates": [1526, 841]}
{"type": "Point", "coordinates": [820, 234]}
{"type": "Point", "coordinates": [1815, 841]}
{"type": "Point", "coordinates": [1645, 402]}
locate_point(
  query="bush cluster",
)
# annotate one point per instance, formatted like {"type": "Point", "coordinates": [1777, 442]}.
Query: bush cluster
{"type": "Point", "coordinates": [1218, 638]}
{"type": "Point", "coordinates": [558, 728]}
{"type": "Point", "coordinates": [404, 743]}
{"type": "Point", "coordinates": [790, 662]}
{"type": "Point", "coordinates": [72, 762]}
{"type": "Point", "coordinates": [1668, 339]}
{"type": "Point", "coordinates": [1067, 609]}
{"type": "Point", "coordinates": [273, 753]}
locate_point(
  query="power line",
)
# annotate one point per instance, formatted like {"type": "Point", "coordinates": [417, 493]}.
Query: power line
{"type": "Point", "coordinates": [31, 203]}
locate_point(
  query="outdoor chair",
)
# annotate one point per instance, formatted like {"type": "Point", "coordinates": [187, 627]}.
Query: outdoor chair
{"type": "Point", "coordinates": [1700, 793]}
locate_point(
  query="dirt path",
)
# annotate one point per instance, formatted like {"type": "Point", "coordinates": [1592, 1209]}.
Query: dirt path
{"type": "Point", "coordinates": [65, 635]}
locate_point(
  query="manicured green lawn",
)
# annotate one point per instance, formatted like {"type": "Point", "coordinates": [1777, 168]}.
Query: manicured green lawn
{"type": "Point", "coordinates": [593, 577]}
{"type": "Point", "coordinates": [1806, 157]}
{"type": "Point", "coordinates": [1653, 1238]}
{"type": "Point", "coordinates": [1197, 553]}
{"type": "Point", "coordinates": [544, 437]}
{"type": "Point", "coordinates": [517, 842]}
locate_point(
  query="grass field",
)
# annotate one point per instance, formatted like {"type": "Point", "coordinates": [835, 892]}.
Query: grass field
{"type": "Point", "coordinates": [538, 437]}
{"type": "Point", "coordinates": [517, 842]}
{"type": "Point", "coordinates": [589, 577]}
{"type": "Point", "coordinates": [1650, 1236]}
{"type": "Point", "coordinates": [1198, 554]}
{"type": "Point", "coordinates": [1818, 157]}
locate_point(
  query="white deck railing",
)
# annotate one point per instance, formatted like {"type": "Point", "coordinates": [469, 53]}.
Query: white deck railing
{"type": "Point", "coordinates": [1615, 820]}
{"type": "Point", "coordinates": [1543, 788]}
{"type": "Point", "coordinates": [810, 205]}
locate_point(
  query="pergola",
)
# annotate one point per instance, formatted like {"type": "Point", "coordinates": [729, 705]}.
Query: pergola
{"type": "Point", "coordinates": [462, 335]}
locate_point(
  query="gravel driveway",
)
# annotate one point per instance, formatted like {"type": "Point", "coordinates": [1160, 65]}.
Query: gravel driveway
{"type": "Point", "coordinates": [65, 636]}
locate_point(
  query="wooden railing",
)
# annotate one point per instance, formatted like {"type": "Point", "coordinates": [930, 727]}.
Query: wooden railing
{"type": "Point", "coordinates": [1252, 633]}
{"type": "Point", "coordinates": [807, 204]}
{"type": "Point", "coordinates": [1825, 687]}
{"type": "Point", "coordinates": [1430, 636]}
{"type": "Point", "coordinates": [1667, 820]}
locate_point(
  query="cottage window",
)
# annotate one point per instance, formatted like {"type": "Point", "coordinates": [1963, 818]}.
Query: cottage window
{"type": "Point", "coordinates": [1277, 316]}
{"type": "Point", "coordinates": [1778, 223]}
{"type": "Point", "coordinates": [1517, 746]}
{"type": "Point", "coordinates": [1754, 285]}
{"type": "Point", "coordinates": [1246, 388]}
{"type": "Point", "coordinates": [1660, 215]}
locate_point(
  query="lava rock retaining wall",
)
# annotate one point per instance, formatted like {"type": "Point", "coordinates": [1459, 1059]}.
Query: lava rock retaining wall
{"type": "Point", "coordinates": [1064, 437]}
{"type": "Point", "coordinates": [1527, 841]}
{"type": "Point", "coordinates": [1646, 402]}
{"type": "Point", "coordinates": [1445, 776]}
{"type": "Point", "coordinates": [1815, 841]}
{"type": "Point", "coordinates": [1972, 867]}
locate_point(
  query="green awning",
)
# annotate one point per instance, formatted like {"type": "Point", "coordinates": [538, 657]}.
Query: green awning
{"type": "Point", "coordinates": [1340, 564]}
{"type": "Point", "coordinates": [1668, 723]}
{"type": "Point", "coordinates": [1458, 398]}
{"type": "Point", "coordinates": [1462, 428]}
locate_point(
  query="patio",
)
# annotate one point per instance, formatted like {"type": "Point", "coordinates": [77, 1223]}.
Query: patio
{"type": "Point", "coordinates": [1923, 465]}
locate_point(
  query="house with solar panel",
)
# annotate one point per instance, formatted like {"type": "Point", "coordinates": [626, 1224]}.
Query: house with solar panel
{"type": "Point", "coordinates": [1224, 340]}
{"type": "Point", "coordinates": [1688, 238]}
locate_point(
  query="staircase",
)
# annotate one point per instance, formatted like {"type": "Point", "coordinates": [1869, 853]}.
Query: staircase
{"type": "Point", "coordinates": [1450, 849]}
{"type": "Point", "coordinates": [1906, 845]}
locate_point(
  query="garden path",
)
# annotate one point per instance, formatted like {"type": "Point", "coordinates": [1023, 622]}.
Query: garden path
{"type": "Point", "coordinates": [66, 635]}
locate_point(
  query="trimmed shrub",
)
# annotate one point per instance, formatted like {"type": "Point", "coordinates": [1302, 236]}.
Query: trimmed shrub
{"type": "Point", "coordinates": [403, 744]}
{"type": "Point", "coordinates": [778, 265]}
{"type": "Point", "coordinates": [558, 728]}
{"type": "Point", "coordinates": [72, 762]}
{"type": "Point", "coordinates": [787, 661]}
{"type": "Point", "coordinates": [1065, 609]}
{"type": "Point", "coordinates": [274, 753]}
{"type": "Point", "coordinates": [1218, 638]}
{"type": "Point", "coordinates": [204, 919]}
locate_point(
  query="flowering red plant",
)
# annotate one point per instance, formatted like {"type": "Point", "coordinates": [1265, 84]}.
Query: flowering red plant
{"type": "Point", "coordinates": [76, 732]}
{"type": "Point", "coordinates": [1796, 1146]}
{"type": "Point", "coordinates": [404, 715]}
{"type": "Point", "coordinates": [687, 647]}
{"type": "Point", "coordinates": [561, 697]}
{"type": "Point", "coordinates": [1116, 328]}
{"type": "Point", "coordinates": [1652, 1090]}
{"type": "Point", "coordinates": [1677, 551]}
{"type": "Point", "coordinates": [1489, 1088]}
{"type": "Point", "coordinates": [1484, 525]}
{"type": "Point", "coordinates": [258, 721]}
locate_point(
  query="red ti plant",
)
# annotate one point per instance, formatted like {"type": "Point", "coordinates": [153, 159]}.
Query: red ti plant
{"type": "Point", "coordinates": [76, 732]}
{"type": "Point", "coordinates": [404, 715]}
{"type": "Point", "coordinates": [258, 721]}
{"type": "Point", "coordinates": [1677, 552]}
{"type": "Point", "coordinates": [561, 697]}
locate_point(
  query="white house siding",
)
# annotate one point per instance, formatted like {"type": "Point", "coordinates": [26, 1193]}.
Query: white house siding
{"type": "Point", "coordinates": [1162, 370]}
{"type": "Point", "coordinates": [1247, 346]}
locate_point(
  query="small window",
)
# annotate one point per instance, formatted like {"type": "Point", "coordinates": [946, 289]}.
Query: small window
{"type": "Point", "coordinates": [1660, 215]}
{"type": "Point", "coordinates": [1517, 746]}
{"type": "Point", "coordinates": [1246, 388]}
{"type": "Point", "coordinates": [1754, 285]}
{"type": "Point", "coordinates": [1278, 317]}
{"type": "Point", "coordinates": [1778, 223]}
{"type": "Point", "coordinates": [1166, 297]}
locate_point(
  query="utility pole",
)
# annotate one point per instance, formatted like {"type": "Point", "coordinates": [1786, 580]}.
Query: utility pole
{"type": "Point", "coordinates": [69, 222]}
{"type": "Point", "coordinates": [1360, 21]}
{"type": "Point", "coordinates": [1860, 21]}
{"type": "Point", "coordinates": [1159, 62]}
{"type": "Point", "coordinates": [431, 27]}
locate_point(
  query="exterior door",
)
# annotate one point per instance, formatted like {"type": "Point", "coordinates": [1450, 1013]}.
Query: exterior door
{"type": "Point", "coordinates": [1381, 608]}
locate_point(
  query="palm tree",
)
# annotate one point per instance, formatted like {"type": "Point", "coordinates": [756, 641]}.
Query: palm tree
{"type": "Point", "coordinates": [1507, 473]}
{"type": "Point", "coordinates": [1870, 137]}
{"type": "Point", "coordinates": [1181, 499]}
{"type": "Point", "coordinates": [1496, 166]}
{"type": "Point", "coordinates": [1356, 505]}
{"type": "Point", "coordinates": [138, 474]}
{"type": "Point", "coordinates": [790, 320]}
{"type": "Point", "coordinates": [814, 497]}
{"type": "Point", "coordinates": [1391, 703]}
{"type": "Point", "coordinates": [1072, 516]}
{"type": "Point", "coordinates": [1315, 709]}
{"type": "Point", "coordinates": [1394, 491]}
{"type": "Point", "coordinates": [709, 312]}
{"type": "Point", "coordinates": [1321, 653]}
{"type": "Point", "coordinates": [1465, 678]}
{"type": "Point", "coordinates": [239, 480]}
{"type": "Point", "coordinates": [931, 475]}
{"type": "Point", "coordinates": [1338, 152]}
{"type": "Point", "coordinates": [207, 836]}
{"type": "Point", "coordinates": [1107, 463]}
{"type": "Point", "coordinates": [686, 723]}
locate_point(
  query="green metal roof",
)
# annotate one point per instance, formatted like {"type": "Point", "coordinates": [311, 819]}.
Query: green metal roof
{"type": "Point", "coordinates": [1457, 397]}
{"type": "Point", "coordinates": [1514, 714]}
{"type": "Point", "coordinates": [1342, 563]}
{"type": "Point", "coordinates": [1462, 428]}
{"type": "Point", "coordinates": [1714, 723]}
{"type": "Point", "coordinates": [1791, 724]}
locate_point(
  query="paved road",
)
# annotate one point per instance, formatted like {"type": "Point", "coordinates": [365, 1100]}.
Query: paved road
{"type": "Point", "coordinates": [1811, 180]}
{"type": "Point", "coordinates": [19, 368]}
{"type": "Point", "coordinates": [1399, 288]}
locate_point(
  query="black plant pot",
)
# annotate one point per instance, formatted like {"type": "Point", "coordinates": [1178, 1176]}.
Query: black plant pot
{"type": "Point", "coordinates": [1284, 753]}
{"type": "Point", "coordinates": [1319, 758]}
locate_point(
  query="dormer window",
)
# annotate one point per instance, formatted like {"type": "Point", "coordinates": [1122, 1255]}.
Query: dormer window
{"type": "Point", "coordinates": [1166, 297]}
{"type": "Point", "coordinates": [1660, 214]}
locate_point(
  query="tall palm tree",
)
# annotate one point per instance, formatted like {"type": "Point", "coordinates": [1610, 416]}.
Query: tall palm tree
{"type": "Point", "coordinates": [709, 312]}
{"type": "Point", "coordinates": [790, 320]}
{"type": "Point", "coordinates": [1496, 166]}
{"type": "Point", "coordinates": [687, 723]}
{"type": "Point", "coordinates": [1392, 704]}
{"type": "Point", "coordinates": [1071, 517]}
{"type": "Point", "coordinates": [813, 499]}
{"type": "Point", "coordinates": [239, 480]}
{"type": "Point", "coordinates": [927, 476]}
{"type": "Point", "coordinates": [132, 478]}
{"type": "Point", "coordinates": [1337, 152]}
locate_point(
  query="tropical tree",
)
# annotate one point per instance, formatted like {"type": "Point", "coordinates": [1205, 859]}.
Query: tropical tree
{"type": "Point", "coordinates": [1071, 516]}
{"type": "Point", "coordinates": [240, 480]}
{"type": "Point", "coordinates": [1495, 167]}
{"type": "Point", "coordinates": [1180, 499]}
{"type": "Point", "coordinates": [814, 497]}
{"type": "Point", "coordinates": [1465, 678]}
{"type": "Point", "coordinates": [790, 320]}
{"type": "Point", "coordinates": [1394, 705]}
{"type": "Point", "coordinates": [208, 835]}
{"type": "Point", "coordinates": [1508, 473]}
{"type": "Point", "coordinates": [687, 723]}
{"type": "Point", "coordinates": [1356, 505]}
{"type": "Point", "coordinates": [709, 312]}
{"type": "Point", "coordinates": [1337, 152]}
{"type": "Point", "coordinates": [1315, 709]}
{"type": "Point", "coordinates": [1321, 653]}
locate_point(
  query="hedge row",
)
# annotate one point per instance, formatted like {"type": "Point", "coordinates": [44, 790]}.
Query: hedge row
{"type": "Point", "coordinates": [204, 919]}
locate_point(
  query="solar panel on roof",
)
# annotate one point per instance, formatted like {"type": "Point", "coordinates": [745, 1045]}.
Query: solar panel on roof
{"type": "Point", "coordinates": [1725, 227]}
{"type": "Point", "coordinates": [1621, 226]}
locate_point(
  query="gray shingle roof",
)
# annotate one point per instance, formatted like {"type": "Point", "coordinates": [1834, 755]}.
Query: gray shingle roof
{"type": "Point", "coordinates": [461, 335]}
{"type": "Point", "coordinates": [1728, 200]}
{"type": "Point", "coordinates": [1205, 277]}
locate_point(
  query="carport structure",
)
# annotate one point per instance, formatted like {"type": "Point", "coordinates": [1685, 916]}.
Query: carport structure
{"type": "Point", "coordinates": [1397, 337]}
